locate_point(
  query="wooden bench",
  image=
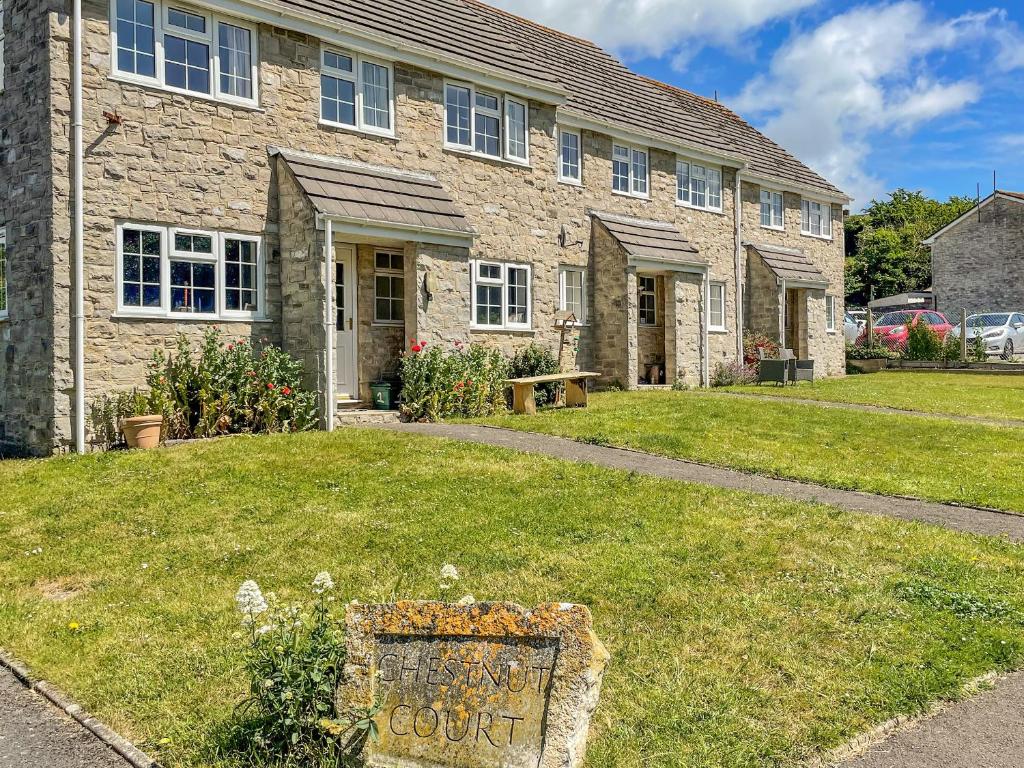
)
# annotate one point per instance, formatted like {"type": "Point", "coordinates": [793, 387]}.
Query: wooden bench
{"type": "Point", "coordinates": [524, 401]}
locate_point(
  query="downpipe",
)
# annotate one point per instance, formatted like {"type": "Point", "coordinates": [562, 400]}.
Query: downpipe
{"type": "Point", "coordinates": [78, 228]}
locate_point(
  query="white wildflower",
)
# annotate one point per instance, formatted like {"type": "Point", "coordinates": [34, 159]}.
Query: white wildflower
{"type": "Point", "coordinates": [250, 600]}
{"type": "Point", "coordinates": [449, 575]}
{"type": "Point", "coordinates": [268, 684]}
{"type": "Point", "coordinates": [467, 600]}
{"type": "Point", "coordinates": [322, 583]}
{"type": "Point", "coordinates": [265, 629]}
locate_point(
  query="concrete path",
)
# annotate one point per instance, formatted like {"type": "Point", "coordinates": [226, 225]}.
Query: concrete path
{"type": "Point", "coordinates": [986, 731]}
{"type": "Point", "coordinates": [35, 734]}
{"type": "Point", "coordinates": [966, 519]}
{"type": "Point", "coordinates": [987, 421]}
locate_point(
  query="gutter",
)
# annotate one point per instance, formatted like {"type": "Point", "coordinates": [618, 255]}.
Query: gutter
{"type": "Point", "coordinates": [78, 229]}
{"type": "Point", "coordinates": [737, 266]}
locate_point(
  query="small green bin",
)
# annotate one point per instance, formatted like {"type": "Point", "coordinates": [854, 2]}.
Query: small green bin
{"type": "Point", "coordinates": [381, 391]}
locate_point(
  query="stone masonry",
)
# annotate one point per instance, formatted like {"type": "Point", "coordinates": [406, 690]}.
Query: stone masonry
{"type": "Point", "coordinates": [187, 161]}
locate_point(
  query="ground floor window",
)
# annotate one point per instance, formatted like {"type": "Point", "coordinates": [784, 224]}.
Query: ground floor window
{"type": "Point", "coordinates": [716, 307]}
{"type": "Point", "coordinates": [830, 313]}
{"type": "Point", "coordinates": [168, 271]}
{"type": "Point", "coordinates": [389, 288]}
{"type": "Point", "coordinates": [501, 295]}
{"type": "Point", "coordinates": [3, 272]}
{"type": "Point", "coordinates": [648, 300]}
{"type": "Point", "coordinates": [573, 292]}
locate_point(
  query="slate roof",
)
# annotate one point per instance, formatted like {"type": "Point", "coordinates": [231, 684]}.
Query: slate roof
{"type": "Point", "coordinates": [598, 86]}
{"type": "Point", "coordinates": [649, 239]}
{"type": "Point", "coordinates": [789, 263]}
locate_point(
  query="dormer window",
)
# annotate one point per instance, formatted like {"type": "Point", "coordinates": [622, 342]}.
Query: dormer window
{"type": "Point", "coordinates": [486, 124]}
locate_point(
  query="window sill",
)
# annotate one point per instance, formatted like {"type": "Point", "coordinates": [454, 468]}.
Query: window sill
{"type": "Point", "coordinates": [5, 317]}
{"type": "Point", "coordinates": [827, 239]}
{"type": "Point", "coordinates": [391, 324]}
{"type": "Point", "coordinates": [342, 128]}
{"type": "Point", "coordinates": [716, 211]}
{"type": "Point", "coordinates": [773, 229]}
{"type": "Point", "coordinates": [488, 329]}
{"type": "Point", "coordinates": [449, 149]}
{"type": "Point", "coordinates": [149, 85]}
{"type": "Point", "coordinates": [718, 331]}
{"type": "Point", "coordinates": [184, 317]}
{"type": "Point", "coordinates": [571, 182]}
{"type": "Point", "coordinates": [631, 195]}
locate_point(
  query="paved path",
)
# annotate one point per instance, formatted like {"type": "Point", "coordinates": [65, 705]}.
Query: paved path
{"type": "Point", "coordinates": [865, 408]}
{"type": "Point", "coordinates": [967, 519]}
{"type": "Point", "coordinates": [986, 731]}
{"type": "Point", "coordinates": [35, 734]}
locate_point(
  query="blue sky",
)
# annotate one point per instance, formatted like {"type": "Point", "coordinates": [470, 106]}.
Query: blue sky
{"type": "Point", "coordinates": [874, 95]}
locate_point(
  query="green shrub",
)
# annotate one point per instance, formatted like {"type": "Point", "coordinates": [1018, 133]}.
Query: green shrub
{"type": "Point", "coordinates": [873, 352]}
{"type": "Point", "coordinates": [733, 374]}
{"type": "Point", "coordinates": [107, 412]}
{"type": "Point", "coordinates": [535, 360]}
{"type": "Point", "coordinates": [466, 381]}
{"type": "Point", "coordinates": [923, 343]}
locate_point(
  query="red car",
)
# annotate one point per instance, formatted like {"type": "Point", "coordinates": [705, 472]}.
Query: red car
{"type": "Point", "coordinates": [893, 328]}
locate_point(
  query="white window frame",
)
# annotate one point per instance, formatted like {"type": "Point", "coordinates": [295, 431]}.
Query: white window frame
{"type": "Point", "coordinates": [168, 253]}
{"type": "Point", "coordinates": [214, 21]}
{"type": "Point", "coordinates": [574, 180]}
{"type": "Point", "coordinates": [774, 196]}
{"type": "Point", "coordinates": [641, 292]}
{"type": "Point", "coordinates": [685, 193]}
{"type": "Point", "coordinates": [563, 286]}
{"type": "Point", "coordinates": [378, 272]}
{"type": "Point", "coordinates": [633, 150]}
{"type": "Point", "coordinates": [502, 282]}
{"type": "Point", "coordinates": [719, 288]}
{"type": "Point", "coordinates": [502, 113]}
{"type": "Point", "coordinates": [3, 58]}
{"type": "Point", "coordinates": [356, 78]}
{"type": "Point", "coordinates": [830, 313]}
{"type": "Point", "coordinates": [525, 157]}
{"type": "Point", "coordinates": [5, 271]}
{"type": "Point", "coordinates": [824, 210]}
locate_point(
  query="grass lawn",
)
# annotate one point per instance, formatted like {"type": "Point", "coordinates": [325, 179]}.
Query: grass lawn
{"type": "Point", "coordinates": [939, 460]}
{"type": "Point", "coordinates": [959, 394]}
{"type": "Point", "coordinates": [744, 630]}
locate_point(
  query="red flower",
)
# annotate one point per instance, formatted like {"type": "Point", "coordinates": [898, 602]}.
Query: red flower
{"type": "Point", "coordinates": [251, 374]}
{"type": "Point", "coordinates": [417, 348]}
{"type": "Point", "coordinates": [286, 391]}
{"type": "Point", "coordinates": [270, 385]}
{"type": "Point", "coordinates": [423, 343]}
{"type": "Point", "coordinates": [231, 347]}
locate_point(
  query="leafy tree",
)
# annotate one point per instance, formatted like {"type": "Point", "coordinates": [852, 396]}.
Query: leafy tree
{"type": "Point", "coordinates": [883, 244]}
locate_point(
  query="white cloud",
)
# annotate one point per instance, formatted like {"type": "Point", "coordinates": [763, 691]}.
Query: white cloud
{"type": "Point", "coordinates": [655, 28]}
{"type": "Point", "coordinates": [832, 90]}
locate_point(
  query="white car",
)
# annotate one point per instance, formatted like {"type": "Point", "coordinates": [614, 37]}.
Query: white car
{"type": "Point", "coordinates": [1002, 332]}
{"type": "Point", "coordinates": [851, 328]}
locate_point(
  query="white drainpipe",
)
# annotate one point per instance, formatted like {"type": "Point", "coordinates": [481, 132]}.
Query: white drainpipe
{"type": "Point", "coordinates": [329, 397]}
{"type": "Point", "coordinates": [738, 205]}
{"type": "Point", "coordinates": [78, 231]}
{"type": "Point", "coordinates": [705, 365]}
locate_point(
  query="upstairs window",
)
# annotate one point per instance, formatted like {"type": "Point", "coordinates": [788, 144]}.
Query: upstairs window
{"type": "Point", "coordinates": [629, 170]}
{"type": "Point", "coordinates": [570, 161]}
{"type": "Point", "coordinates": [3, 272]}
{"type": "Point", "coordinates": [501, 295]}
{"type": "Point", "coordinates": [771, 209]}
{"type": "Point", "coordinates": [816, 219]}
{"type": "Point", "coordinates": [698, 186]}
{"type": "Point", "coordinates": [486, 124]}
{"type": "Point", "coordinates": [356, 93]}
{"type": "Point", "coordinates": [183, 49]}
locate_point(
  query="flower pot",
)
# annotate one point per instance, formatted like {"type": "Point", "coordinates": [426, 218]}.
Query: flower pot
{"type": "Point", "coordinates": [143, 431]}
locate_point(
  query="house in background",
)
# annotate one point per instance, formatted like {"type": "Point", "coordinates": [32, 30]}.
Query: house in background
{"type": "Point", "coordinates": [339, 176]}
{"type": "Point", "coordinates": [978, 259]}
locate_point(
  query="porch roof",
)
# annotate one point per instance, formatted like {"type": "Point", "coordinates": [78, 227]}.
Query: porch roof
{"type": "Point", "coordinates": [644, 239]}
{"type": "Point", "coordinates": [789, 264]}
{"type": "Point", "coordinates": [376, 197]}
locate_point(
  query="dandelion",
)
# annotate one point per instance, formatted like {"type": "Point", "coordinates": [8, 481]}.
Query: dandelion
{"type": "Point", "coordinates": [74, 626]}
{"type": "Point", "coordinates": [250, 600]}
{"type": "Point", "coordinates": [322, 583]}
{"type": "Point", "coordinates": [164, 742]}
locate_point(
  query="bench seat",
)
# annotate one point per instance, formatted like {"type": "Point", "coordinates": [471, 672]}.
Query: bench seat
{"type": "Point", "coordinates": [523, 390]}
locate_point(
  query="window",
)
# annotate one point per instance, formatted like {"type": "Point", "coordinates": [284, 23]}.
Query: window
{"type": "Point", "coordinates": [629, 170]}
{"type": "Point", "coordinates": [501, 295]}
{"type": "Point", "coordinates": [648, 300]}
{"type": "Point", "coordinates": [698, 186]}
{"type": "Point", "coordinates": [830, 313]}
{"type": "Point", "coordinates": [389, 288]}
{"type": "Point", "coordinates": [572, 287]}
{"type": "Point", "coordinates": [486, 124]}
{"type": "Point", "coordinates": [172, 46]}
{"type": "Point", "coordinates": [570, 168]}
{"type": "Point", "coordinates": [3, 272]}
{"type": "Point", "coordinates": [816, 219]}
{"type": "Point", "coordinates": [716, 307]}
{"type": "Point", "coordinates": [167, 272]}
{"type": "Point", "coordinates": [771, 209]}
{"type": "Point", "coordinates": [355, 93]}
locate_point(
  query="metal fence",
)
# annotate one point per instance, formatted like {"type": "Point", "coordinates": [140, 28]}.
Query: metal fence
{"type": "Point", "coordinates": [929, 335]}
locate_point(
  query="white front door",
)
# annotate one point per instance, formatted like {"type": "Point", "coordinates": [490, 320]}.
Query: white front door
{"type": "Point", "coordinates": [346, 378]}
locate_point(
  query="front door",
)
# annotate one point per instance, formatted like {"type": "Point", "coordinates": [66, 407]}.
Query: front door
{"type": "Point", "coordinates": [346, 380]}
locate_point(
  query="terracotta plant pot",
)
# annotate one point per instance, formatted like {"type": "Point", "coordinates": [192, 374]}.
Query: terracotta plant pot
{"type": "Point", "coordinates": [143, 431]}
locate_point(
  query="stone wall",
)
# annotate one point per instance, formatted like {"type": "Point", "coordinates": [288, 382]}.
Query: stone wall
{"type": "Point", "coordinates": [614, 313]}
{"type": "Point", "coordinates": [979, 266]}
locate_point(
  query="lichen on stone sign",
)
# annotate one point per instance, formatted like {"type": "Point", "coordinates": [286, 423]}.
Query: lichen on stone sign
{"type": "Point", "coordinates": [487, 685]}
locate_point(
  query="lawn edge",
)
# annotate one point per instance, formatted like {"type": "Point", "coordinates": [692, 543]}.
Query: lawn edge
{"type": "Point", "coordinates": [860, 744]}
{"type": "Point", "coordinates": [57, 698]}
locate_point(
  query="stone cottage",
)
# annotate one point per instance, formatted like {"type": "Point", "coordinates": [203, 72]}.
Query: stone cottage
{"type": "Point", "coordinates": [978, 259]}
{"type": "Point", "coordinates": [339, 176]}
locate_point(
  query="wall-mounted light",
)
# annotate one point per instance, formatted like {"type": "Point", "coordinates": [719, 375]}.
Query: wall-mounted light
{"type": "Point", "coordinates": [430, 284]}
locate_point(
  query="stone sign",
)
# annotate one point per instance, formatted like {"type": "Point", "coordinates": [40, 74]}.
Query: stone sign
{"type": "Point", "coordinates": [488, 685]}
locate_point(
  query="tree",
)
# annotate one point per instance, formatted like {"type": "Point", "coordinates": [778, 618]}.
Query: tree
{"type": "Point", "coordinates": [883, 244]}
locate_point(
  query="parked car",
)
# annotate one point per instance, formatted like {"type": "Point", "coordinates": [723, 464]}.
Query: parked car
{"type": "Point", "coordinates": [859, 315]}
{"type": "Point", "coordinates": [1002, 332]}
{"type": "Point", "coordinates": [851, 328]}
{"type": "Point", "coordinates": [892, 328]}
